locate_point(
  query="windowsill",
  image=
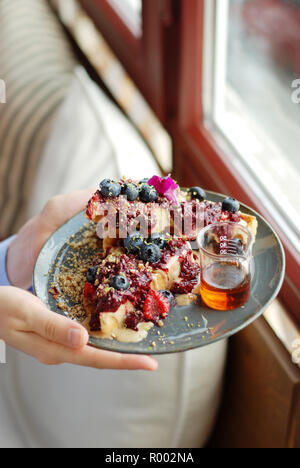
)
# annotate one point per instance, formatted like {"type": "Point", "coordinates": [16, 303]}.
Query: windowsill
{"type": "Point", "coordinates": [282, 325]}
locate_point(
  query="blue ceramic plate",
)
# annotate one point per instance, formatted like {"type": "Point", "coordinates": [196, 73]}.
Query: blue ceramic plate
{"type": "Point", "coordinates": [187, 327]}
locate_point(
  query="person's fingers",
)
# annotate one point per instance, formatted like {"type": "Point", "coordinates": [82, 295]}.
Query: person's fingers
{"type": "Point", "coordinates": [53, 339]}
{"type": "Point", "coordinates": [35, 346]}
{"type": "Point", "coordinates": [99, 359]}
{"type": "Point", "coordinates": [33, 316]}
{"type": "Point", "coordinates": [61, 208]}
{"type": "Point", "coordinates": [58, 329]}
{"type": "Point", "coordinates": [53, 354]}
{"type": "Point", "coordinates": [54, 327]}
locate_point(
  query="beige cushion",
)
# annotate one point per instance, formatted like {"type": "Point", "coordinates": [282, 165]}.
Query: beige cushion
{"type": "Point", "coordinates": [90, 140]}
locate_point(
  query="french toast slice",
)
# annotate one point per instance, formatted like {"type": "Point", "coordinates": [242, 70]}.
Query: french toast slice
{"type": "Point", "coordinates": [116, 216]}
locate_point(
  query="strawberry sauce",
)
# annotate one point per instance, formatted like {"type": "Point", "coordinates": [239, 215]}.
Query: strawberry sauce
{"type": "Point", "coordinates": [107, 299]}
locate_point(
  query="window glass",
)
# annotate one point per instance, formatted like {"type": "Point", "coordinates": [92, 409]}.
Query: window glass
{"type": "Point", "coordinates": [256, 96]}
{"type": "Point", "coordinates": [131, 13]}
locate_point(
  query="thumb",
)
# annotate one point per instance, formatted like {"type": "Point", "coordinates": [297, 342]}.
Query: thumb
{"type": "Point", "coordinates": [61, 208]}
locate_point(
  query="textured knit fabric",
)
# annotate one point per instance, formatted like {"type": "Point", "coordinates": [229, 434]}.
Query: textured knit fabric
{"type": "Point", "coordinates": [36, 64]}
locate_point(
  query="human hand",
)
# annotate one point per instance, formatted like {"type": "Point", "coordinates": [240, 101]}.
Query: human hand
{"type": "Point", "coordinates": [23, 251]}
{"type": "Point", "coordinates": [28, 326]}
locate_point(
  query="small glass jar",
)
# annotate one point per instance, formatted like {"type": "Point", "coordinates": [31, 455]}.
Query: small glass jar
{"type": "Point", "coordinates": [226, 254]}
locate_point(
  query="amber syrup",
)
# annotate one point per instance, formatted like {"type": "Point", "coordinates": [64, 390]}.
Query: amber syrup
{"type": "Point", "coordinates": [225, 285]}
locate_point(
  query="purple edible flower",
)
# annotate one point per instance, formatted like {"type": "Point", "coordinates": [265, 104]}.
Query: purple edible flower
{"type": "Point", "coordinates": [165, 186]}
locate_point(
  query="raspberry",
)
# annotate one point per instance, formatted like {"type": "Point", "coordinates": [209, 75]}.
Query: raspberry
{"type": "Point", "coordinates": [89, 291]}
{"type": "Point", "coordinates": [156, 306]}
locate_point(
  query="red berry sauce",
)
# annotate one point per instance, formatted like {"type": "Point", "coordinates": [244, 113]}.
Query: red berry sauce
{"type": "Point", "coordinates": [108, 299]}
{"type": "Point", "coordinates": [190, 273]}
{"type": "Point", "coordinates": [193, 215]}
{"type": "Point", "coordinates": [173, 247]}
{"type": "Point", "coordinates": [96, 198]}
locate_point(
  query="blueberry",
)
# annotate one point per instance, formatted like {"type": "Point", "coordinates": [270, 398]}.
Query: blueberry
{"type": "Point", "coordinates": [150, 253]}
{"type": "Point", "coordinates": [157, 239]}
{"type": "Point", "coordinates": [198, 193]}
{"type": "Point", "coordinates": [230, 204]}
{"type": "Point", "coordinates": [148, 194]}
{"type": "Point", "coordinates": [109, 188]}
{"type": "Point", "coordinates": [168, 295]}
{"type": "Point", "coordinates": [91, 274]}
{"type": "Point", "coordinates": [144, 181]}
{"type": "Point", "coordinates": [120, 283]}
{"type": "Point", "coordinates": [133, 243]}
{"type": "Point", "coordinates": [131, 191]}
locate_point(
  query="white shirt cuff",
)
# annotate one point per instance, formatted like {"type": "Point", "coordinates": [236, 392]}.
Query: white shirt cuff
{"type": "Point", "coordinates": [4, 281]}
